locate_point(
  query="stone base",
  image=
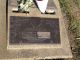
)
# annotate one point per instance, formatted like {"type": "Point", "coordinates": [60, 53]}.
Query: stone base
{"type": "Point", "coordinates": [52, 52]}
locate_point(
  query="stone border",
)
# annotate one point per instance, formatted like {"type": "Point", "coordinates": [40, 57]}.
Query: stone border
{"type": "Point", "coordinates": [63, 52]}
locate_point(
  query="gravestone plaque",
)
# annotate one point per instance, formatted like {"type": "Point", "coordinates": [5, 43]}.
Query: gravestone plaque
{"type": "Point", "coordinates": [33, 30]}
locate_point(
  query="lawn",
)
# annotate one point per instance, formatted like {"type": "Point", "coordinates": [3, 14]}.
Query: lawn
{"type": "Point", "coordinates": [71, 8]}
{"type": "Point", "coordinates": [78, 1]}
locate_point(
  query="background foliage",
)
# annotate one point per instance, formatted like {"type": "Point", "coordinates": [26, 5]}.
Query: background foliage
{"type": "Point", "coordinates": [71, 8]}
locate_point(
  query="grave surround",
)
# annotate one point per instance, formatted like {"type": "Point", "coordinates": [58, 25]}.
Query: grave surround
{"type": "Point", "coordinates": [49, 23]}
{"type": "Point", "coordinates": [33, 51]}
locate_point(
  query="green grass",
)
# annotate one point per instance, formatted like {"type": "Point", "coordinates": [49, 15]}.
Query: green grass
{"type": "Point", "coordinates": [73, 21]}
{"type": "Point", "coordinates": [78, 1]}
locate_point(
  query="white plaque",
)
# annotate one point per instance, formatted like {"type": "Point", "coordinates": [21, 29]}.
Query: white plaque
{"type": "Point", "coordinates": [44, 35]}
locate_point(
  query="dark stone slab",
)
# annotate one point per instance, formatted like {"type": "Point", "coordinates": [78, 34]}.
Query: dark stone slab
{"type": "Point", "coordinates": [31, 30]}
